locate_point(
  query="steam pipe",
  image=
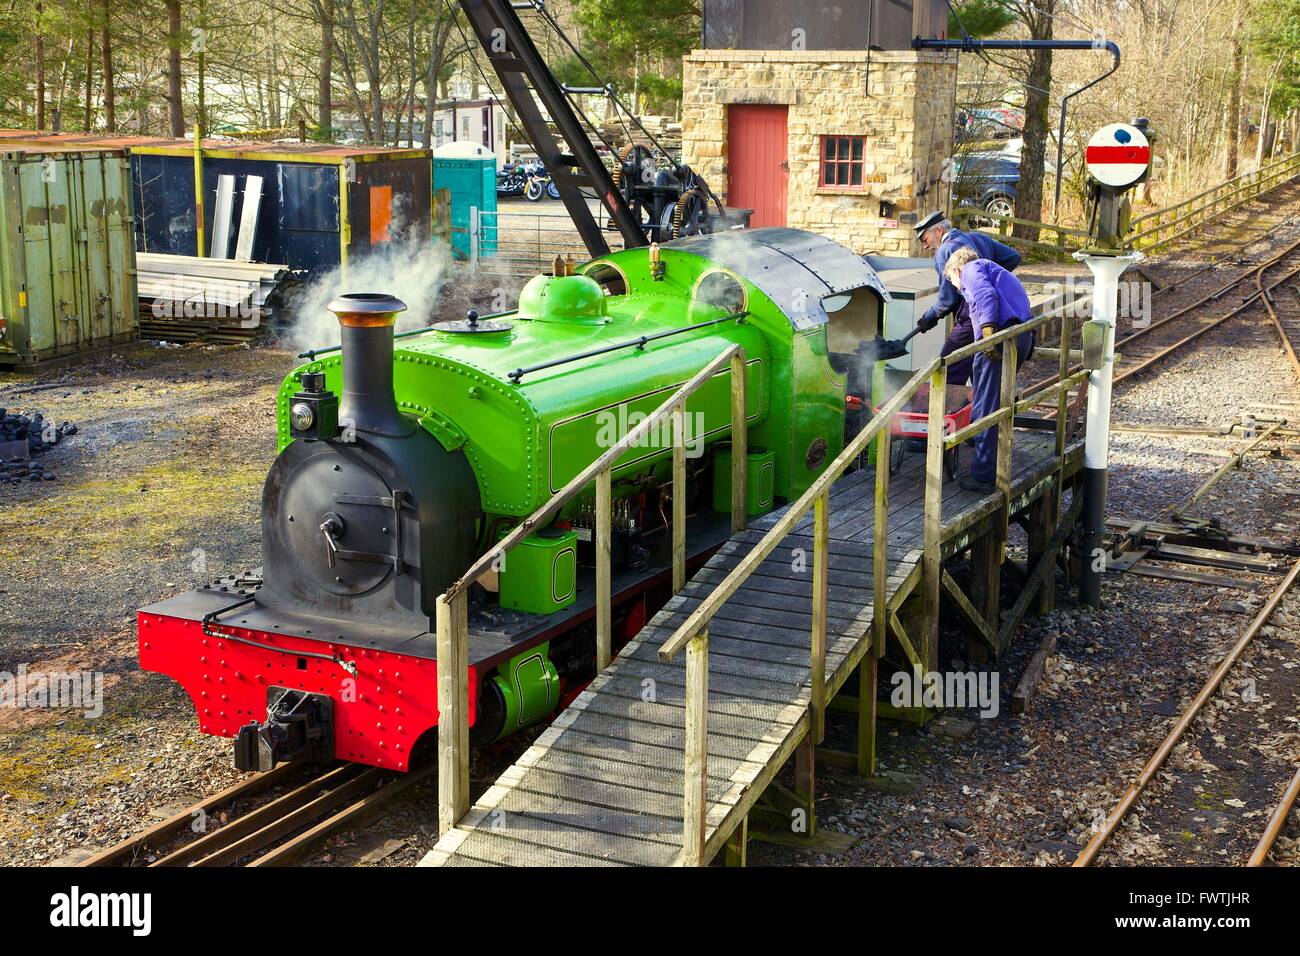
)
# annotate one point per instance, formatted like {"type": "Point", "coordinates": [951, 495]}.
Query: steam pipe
{"type": "Point", "coordinates": [1060, 132]}
{"type": "Point", "coordinates": [969, 44]}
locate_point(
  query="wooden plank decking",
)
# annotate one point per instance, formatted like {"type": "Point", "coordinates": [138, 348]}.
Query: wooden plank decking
{"type": "Point", "coordinates": [603, 784]}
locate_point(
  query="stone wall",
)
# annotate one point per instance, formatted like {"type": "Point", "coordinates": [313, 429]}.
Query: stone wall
{"type": "Point", "coordinates": [905, 112]}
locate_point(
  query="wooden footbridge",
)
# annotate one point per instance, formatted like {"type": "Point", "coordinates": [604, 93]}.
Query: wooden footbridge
{"type": "Point", "coordinates": [666, 755]}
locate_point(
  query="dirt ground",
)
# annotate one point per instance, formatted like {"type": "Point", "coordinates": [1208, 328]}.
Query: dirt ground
{"type": "Point", "coordinates": [159, 490]}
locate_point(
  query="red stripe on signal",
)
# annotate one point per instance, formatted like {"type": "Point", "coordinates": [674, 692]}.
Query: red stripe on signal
{"type": "Point", "coordinates": [1118, 154]}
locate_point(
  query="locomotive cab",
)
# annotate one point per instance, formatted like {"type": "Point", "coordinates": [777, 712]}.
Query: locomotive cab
{"type": "Point", "coordinates": [856, 321]}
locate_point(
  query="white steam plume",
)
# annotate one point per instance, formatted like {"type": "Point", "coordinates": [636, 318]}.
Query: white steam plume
{"type": "Point", "coordinates": [410, 266]}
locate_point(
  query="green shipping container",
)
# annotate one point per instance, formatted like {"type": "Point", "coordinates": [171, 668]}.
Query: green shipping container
{"type": "Point", "coordinates": [67, 252]}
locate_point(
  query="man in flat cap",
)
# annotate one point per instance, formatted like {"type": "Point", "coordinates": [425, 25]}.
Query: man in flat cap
{"type": "Point", "coordinates": [937, 235]}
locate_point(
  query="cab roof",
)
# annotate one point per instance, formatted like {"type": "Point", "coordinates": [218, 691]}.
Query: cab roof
{"type": "Point", "coordinates": [793, 268]}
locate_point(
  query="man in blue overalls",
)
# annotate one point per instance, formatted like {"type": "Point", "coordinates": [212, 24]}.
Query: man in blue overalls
{"type": "Point", "coordinates": [994, 300]}
{"type": "Point", "coordinates": [938, 236]}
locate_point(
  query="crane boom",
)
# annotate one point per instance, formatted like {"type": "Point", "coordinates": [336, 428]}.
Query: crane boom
{"type": "Point", "coordinates": [523, 73]}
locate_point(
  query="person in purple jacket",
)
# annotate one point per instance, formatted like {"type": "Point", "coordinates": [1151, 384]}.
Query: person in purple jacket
{"type": "Point", "coordinates": [994, 299]}
{"type": "Point", "coordinates": [937, 235]}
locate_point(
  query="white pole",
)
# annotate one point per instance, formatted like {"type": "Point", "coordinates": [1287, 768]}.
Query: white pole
{"type": "Point", "coordinates": [1106, 271]}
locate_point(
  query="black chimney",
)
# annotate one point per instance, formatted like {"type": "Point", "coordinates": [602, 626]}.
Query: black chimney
{"type": "Point", "coordinates": [366, 325]}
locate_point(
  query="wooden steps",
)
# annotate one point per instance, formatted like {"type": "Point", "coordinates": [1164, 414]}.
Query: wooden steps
{"type": "Point", "coordinates": [603, 784]}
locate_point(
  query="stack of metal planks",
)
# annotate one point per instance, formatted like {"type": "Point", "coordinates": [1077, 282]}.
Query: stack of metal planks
{"type": "Point", "coordinates": [192, 299]}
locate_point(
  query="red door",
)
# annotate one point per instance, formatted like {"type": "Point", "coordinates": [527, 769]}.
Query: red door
{"type": "Point", "coordinates": [758, 164]}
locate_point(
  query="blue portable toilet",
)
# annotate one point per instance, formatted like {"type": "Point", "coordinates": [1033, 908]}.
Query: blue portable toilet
{"type": "Point", "coordinates": [469, 171]}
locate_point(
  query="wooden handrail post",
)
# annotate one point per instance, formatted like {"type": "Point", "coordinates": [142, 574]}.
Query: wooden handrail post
{"type": "Point", "coordinates": [453, 711]}
{"type": "Point", "coordinates": [695, 805]}
{"type": "Point", "coordinates": [1008, 394]}
{"type": "Point", "coordinates": [739, 442]}
{"type": "Point", "coordinates": [867, 670]}
{"type": "Point", "coordinates": [1047, 597]}
{"type": "Point", "coordinates": [931, 561]}
{"type": "Point", "coordinates": [604, 518]}
{"type": "Point", "coordinates": [679, 496]}
{"type": "Point", "coordinates": [821, 560]}
{"type": "Point", "coordinates": [880, 545]}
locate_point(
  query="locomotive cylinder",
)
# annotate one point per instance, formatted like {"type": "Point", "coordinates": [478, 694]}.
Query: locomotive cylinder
{"type": "Point", "coordinates": [366, 322]}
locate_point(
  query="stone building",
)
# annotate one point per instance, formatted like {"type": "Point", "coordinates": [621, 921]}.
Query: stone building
{"type": "Point", "coordinates": [837, 135]}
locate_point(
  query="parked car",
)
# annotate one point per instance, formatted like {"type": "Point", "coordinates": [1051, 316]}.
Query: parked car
{"type": "Point", "coordinates": [1002, 122]}
{"type": "Point", "coordinates": [987, 181]}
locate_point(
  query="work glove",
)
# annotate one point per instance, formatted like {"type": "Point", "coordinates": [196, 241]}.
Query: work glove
{"type": "Point", "coordinates": [994, 352]}
{"type": "Point", "coordinates": [927, 322]}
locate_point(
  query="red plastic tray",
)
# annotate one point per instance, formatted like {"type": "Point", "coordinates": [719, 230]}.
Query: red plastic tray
{"type": "Point", "coordinates": [916, 424]}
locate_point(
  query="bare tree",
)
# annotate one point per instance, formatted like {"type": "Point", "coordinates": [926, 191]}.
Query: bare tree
{"type": "Point", "coordinates": [106, 52]}
{"type": "Point", "coordinates": [40, 66]}
{"type": "Point", "coordinates": [90, 80]}
{"type": "Point", "coordinates": [366, 35]}
{"type": "Point", "coordinates": [439, 34]}
{"type": "Point", "coordinates": [1037, 18]}
{"type": "Point", "coordinates": [325, 69]}
{"type": "Point", "coordinates": [175, 108]}
{"type": "Point", "coordinates": [1232, 122]}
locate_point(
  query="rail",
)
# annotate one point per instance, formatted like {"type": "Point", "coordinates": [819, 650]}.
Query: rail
{"type": "Point", "coordinates": [693, 634]}
{"type": "Point", "coordinates": [1151, 231]}
{"type": "Point", "coordinates": [452, 607]}
{"type": "Point", "coordinates": [1108, 826]}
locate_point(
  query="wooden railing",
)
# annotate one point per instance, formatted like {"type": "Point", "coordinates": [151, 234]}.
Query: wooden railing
{"type": "Point", "coordinates": [1158, 229]}
{"type": "Point", "coordinates": [452, 608]}
{"type": "Point", "coordinates": [1153, 230]}
{"type": "Point", "coordinates": [1066, 240]}
{"type": "Point", "coordinates": [693, 634]}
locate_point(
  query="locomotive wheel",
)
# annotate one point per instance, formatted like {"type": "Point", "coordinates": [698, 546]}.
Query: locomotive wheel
{"type": "Point", "coordinates": [690, 215]}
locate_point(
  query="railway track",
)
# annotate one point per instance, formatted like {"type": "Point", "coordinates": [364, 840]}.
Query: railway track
{"type": "Point", "coordinates": [1283, 305]}
{"type": "Point", "coordinates": [1146, 347]}
{"type": "Point", "coordinates": [1265, 285]}
{"type": "Point", "coordinates": [1189, 283]}
{"type": "Point", "coordinates": [275, 818]}
{"type": "Point", "coordinates": [1264, 685]}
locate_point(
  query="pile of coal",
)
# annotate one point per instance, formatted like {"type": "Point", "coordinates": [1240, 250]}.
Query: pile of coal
{"type": "Point", "coordinates": [18, 463]}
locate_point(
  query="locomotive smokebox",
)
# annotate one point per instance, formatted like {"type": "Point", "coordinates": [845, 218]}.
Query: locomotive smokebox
{"type": "Point", "coordinates": [366, 322]}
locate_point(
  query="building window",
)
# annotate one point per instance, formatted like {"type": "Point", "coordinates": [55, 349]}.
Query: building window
{"type": "Point", "coordinates": [842, 159]}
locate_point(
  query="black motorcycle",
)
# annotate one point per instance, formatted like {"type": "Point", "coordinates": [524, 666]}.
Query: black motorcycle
{"type": "Point", "coordinates": [512, 180]}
